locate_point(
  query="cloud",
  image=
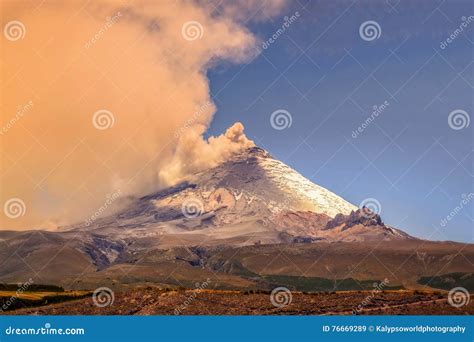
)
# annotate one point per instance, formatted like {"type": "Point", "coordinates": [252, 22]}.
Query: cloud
{"type": "Point", "coordinates": [144, 76]}
{"type": "Point", "coordinates": [193, 153]}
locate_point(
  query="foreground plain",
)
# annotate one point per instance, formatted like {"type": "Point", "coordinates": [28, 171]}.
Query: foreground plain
{"type": "Point", "coordinates": [151, 301]}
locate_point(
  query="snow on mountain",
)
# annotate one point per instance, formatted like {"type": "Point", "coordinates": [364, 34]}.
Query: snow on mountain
{"type": "Point", "coordinates": [309, 196]}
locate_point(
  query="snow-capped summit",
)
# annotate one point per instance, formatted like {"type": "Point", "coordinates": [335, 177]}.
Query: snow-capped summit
{"type": "Point", "coordinates": [256, 175]}
{"type": "Point", "coordinates": [305, 195]}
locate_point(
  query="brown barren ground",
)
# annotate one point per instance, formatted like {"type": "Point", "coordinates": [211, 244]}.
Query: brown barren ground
{"type": "Point", "coordinates": [152, 301]}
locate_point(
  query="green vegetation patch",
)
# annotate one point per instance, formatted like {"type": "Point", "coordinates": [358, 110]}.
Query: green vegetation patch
{"type": "Point", "coordinates": [449, 281]}
{"type": "Point", "coordinates": [30, 287]}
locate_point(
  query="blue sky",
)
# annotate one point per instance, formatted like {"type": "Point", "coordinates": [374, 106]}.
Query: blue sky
{"type": "Point", "coordinates": [328, 78]}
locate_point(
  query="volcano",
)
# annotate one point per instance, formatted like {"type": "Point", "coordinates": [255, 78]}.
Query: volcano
{"type": "Point", "coordinates": [250, 198]}
{"type": "Point", "coordinates": [246, 222]}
